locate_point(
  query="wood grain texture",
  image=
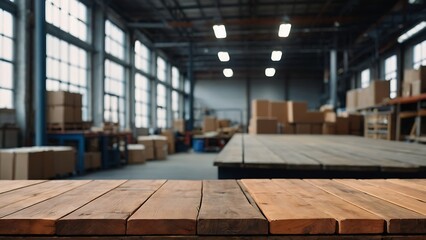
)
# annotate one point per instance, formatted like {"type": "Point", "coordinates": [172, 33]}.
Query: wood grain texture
{"type": "Point", "coordinates": [172, 210]}
{"type": "Point", "coordinates": [9, 185]}
{"type": "Point", "coordinates": [351, 219]}
{"type": "Point", "coordinates": [226, 211]}
{"type": "Point", "coordinates": [41, 218]}
{"type": "Point", "coordinates": [399, 220]}
{"type": "Point", "coordinates": [286, 213]}
{"type": "Point", "coordinates": [414, 191]}
{"type": "Point", "coordinates": [108, 214]}
{"type": "Point", "coordinates": [19, 199]}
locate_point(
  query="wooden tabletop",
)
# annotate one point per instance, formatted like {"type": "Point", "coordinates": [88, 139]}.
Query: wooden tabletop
{"type": "Point", "coordinates": [326, 152]}
{"type": "Point", "coordinates": [252, 207]}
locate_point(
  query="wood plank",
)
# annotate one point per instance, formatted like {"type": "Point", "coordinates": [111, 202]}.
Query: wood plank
{"type": "Point", "coordinates": [226, 211]}
{"type": "Point", "coordinates": [19, 199]}
{"type": "Point", "coordinates": [351, 219]}
{"type": "Point", "coordinates": [417, 184]}
{"type": "Point", "coordinates": [41, 218]}
{"type": "Point", "coordinates": [413, 192]}
{"type": "Point", "coordinates": [108, 214]}
{"type": "Point", "coordinates": [232, 154]}
{"type": "Point", "coordinates": [172, 210]}
{"type": "Point", "coordinates": [286, 213]}
{"type": "Point", "coordinates": [393, 197]}
{"type": "Point", "coordinates": [399, 220]}
{"type": "Point", "coordinates": [9, 185]}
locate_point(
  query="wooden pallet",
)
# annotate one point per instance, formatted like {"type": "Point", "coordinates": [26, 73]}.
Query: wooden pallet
{"type": "Point", "coordinates": [214, 209]}
{"type": "Point", "coordinates": [62, 127]}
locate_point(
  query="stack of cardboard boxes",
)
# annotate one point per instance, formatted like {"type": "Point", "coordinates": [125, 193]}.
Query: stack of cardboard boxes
{"type": "Point", "coordinates": [36, 162]}
{"type": "Point", "coordinates": [375, 94]}
{"type": "Point", "coordinates": [170, 136]}
{"type": "Point", "coordinates": [156, 147]}
{"type": "Point", "coordinates": [9, 132]}
{"type": "Point", "coordinates": [64, 107]}
{"type": "Point", "coordinates": [272, 117]}
{"type": "Point", "coordinates": [136, 153]}
{"type": "Point", "coordinates": [179, 125]}
{"type": "Point", "coordinates": [92, 160]}
{"type": "Point", "coordinates": [414, 82]}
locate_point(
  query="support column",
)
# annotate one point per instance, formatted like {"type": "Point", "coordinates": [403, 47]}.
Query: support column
{"type": "Point", "coordinates": [98, 65]}
{"type": "Point", "coordinates": [192, 83]}
{"type": "Point", "coordinates": [333, 77]}
{"type": "Point", "coordinates": [40, 73]}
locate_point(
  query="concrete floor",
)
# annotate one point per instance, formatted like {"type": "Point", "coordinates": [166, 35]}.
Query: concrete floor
{"type": "Point", "coordinates": [177, 166]}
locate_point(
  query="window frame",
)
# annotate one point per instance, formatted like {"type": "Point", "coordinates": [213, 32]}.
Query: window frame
{"type": "Point", "coordinates": [10, 8]}
{"type": "Point", "coordinates": [422, 55]}
{"type": "Point", "coordinates": [392, 74]}
{"type": "Point", "coordinates": [364, 82]}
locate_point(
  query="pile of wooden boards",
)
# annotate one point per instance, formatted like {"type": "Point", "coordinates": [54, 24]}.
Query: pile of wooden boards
{"type": "Point", "coordinates": [272, 117]}
{"type": "Point", "coordinates": [214, 209]}
{"type": "Point", "coordinates": [37, 162]}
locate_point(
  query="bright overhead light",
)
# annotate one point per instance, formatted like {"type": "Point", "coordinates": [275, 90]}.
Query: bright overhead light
{"type": "Point", "coordinates": [228, 72]}
{"type": "Point", "coordinates": [219, 31]}
{"type": "Point", "coordinates": [284, 30]}
{"type": "Point", "coordinates": [276, 56]}
{"type": "Point", "coordinates": [270, 72]}
{"type": "Point", "coordinates": [223, 56]}
{"type": "Point", "coordinates": [412, 32]}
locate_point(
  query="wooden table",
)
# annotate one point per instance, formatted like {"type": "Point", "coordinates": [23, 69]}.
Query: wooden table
{"type": "Point", "coordinates": [319, 156]}
{"type": "Point", "coordinates": [214, 209]}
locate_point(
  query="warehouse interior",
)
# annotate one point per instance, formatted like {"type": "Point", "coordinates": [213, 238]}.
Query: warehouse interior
{"type": "Point", "coordinates": [213, 119]}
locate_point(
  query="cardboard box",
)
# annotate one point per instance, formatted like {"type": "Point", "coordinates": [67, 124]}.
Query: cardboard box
{"type": "Point", "coordinates": [179, 125]}
{"type": "Point", "coordinates": [259, 108]}
{"type": "Point", "coordinates": [314, 117]}
{"type": "Point", "coordinates": [264, 125]}
{"type": "Point", "coordinates": [411, 75]}
{"type": "Point", "coordinates": [351, 100]}
{"type": "Point", "coordinates": [356, 122]}
{"type": "Point", "coordinates": [342, 126]}
{"type": "Point", "coordinates": [362, 101]}
{"type": "Point", "coordinates": [209, 124]}
{"type": "Point", "coordinates": [7, 164]}
{"type": "Point", "coordinates": [78, 115]}
{"type": "Point", "coordinates": [289, 128]}
{"type": "Point", "coordinates": [406, 89]}
{"type": "Point", "coordinates": [316, 128]}
{"type": "Point", "coordinates": [303, 128]}
{"type": "Point", "coordinates": [147, 141]}
{"type": "Point", "coordinates": [330, 117]}
{"type": "Point", "coordinates": [92, 160]}
{"type": "Point", "coordinates": [278, 110]}
{"type": "Point", "coordinates": [297, 112]}
{"type": "Point", "coordinates": [65, 160]}
{"type": "Point", "coordinates": [77, 100]}
{"type": "Point", "coordinates": [170, 135]}
{"type": "Point", "coordinates": [161, 153]}
{"type": "Point", "coordinates": [377, 92]}
{"type": "Point", "coordinates": [136, 153]}
{"type": "Point", "coordinates": [329, 128]}
{"type": "Point", "coordinates": [417, 88]}
{"type": "Point", "coordinates": [60, 98]}
{"type": "Point", "coordinates": [30, 164]}
{"type": "Point", "coordinates": [149, 153]}
{"type": "Point", "coordinates": [7, 117]}
{"type": "Point", "coordinates": [224, 123]}
{"type": "Point", "coordinates": [60, 114]}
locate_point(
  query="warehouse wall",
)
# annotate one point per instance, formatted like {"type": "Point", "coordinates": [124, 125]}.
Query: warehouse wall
{"type": "Point", "coordinates": [232, 93]}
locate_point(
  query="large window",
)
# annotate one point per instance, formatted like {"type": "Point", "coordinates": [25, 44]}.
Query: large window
{"type": "Point", "coordinates": [161, 69]}
{"type": "Point", "coordinates": [114, 93]}
{"type": "Point", "coordinates": [67, 69]}
{"type": "Point", "coordinates": [70, 16]}
{"type": "Point", "coordinates": [142, 57]}
{"type": "Point", "coordinates": [114, 40]}
{"type": "Point", "coordinates": [391, 75]}
{"type": "Point", "coordinates": [161, 106]}
{"type": "Point", "coordinates": [365, 78]}
{"type": "Point", "coordinates": [176, 98]}
{"type": "Point", "coordinates": [142, 101]}
{"type": "Point", "coordinates": [6, 59]}
{"type": "Point", "coordinates": [419, 55]}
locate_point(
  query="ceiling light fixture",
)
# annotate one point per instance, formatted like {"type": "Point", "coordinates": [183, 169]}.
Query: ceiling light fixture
{"type": "Point", "coordinates": [284, 30]}
{"type": "Point", "coordinates": [223, 56]}
{"type": "Point", "coordinates": [413, 31]}
{"type": "Point", "coordinates": [276, 56]}
{"type": "Point", "coordinates": [219, 31]}
{"type": "Point", "coordinates": [270, 72]}
{"type": "Point", "coordinates": [228, 72]}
